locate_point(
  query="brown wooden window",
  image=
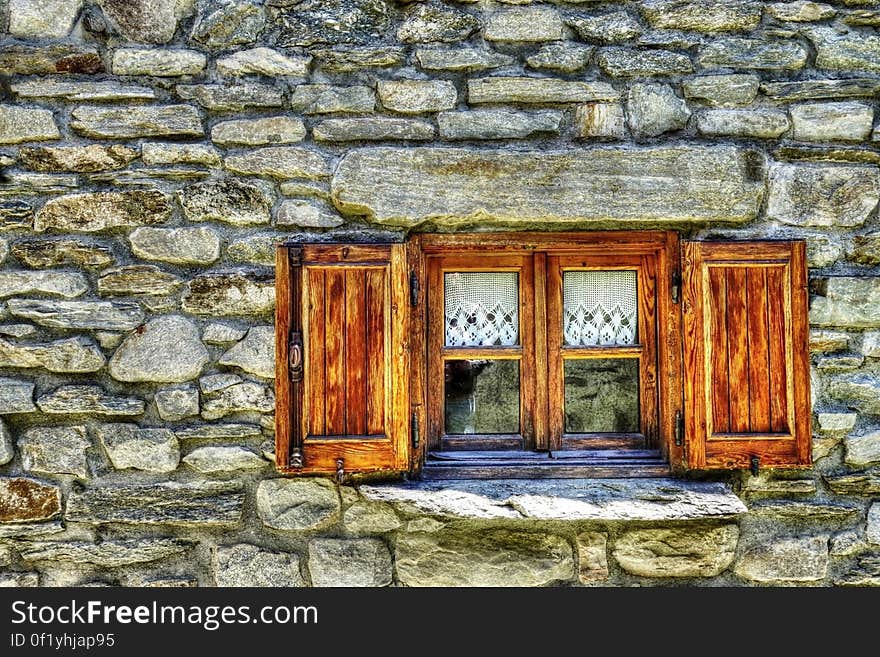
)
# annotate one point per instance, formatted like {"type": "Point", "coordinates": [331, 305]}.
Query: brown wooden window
{"type": "Point", "coordinates": [525, 354]}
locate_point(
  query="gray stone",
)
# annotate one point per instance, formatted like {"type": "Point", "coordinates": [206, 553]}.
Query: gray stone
{"type": "Point", "coordinates": [28, 530]}
{"type": "Point", "coordinates": [800, 510]}
{"type": "Point", "coordinates": [811, 195]}
{"type": "Point", "coordinates": [79, 354]}
{"type": "Point", "coordinates": [239, 398]}
{"type": "Point", "coordinates": [787, 92]}
{"type": "Point", "coordinates": [146, 21]}
{"type": "Point", "coordinates": [865, 249]}
{"type": "Point", "coordinates": [249, 565]}
{"type": "Point", "coordinates": [853, 51]}
{"type": "Point", "coordinates": [7, 449]}
{"type": "Point", "coordinates": [844, 154]}
{"type": "Point", "coordinates": [460, 59]}
{"type": "Point", "coordinates": [175, 404]}
{"type": "Point", "coordinates": [225, 23]}
{"type": "Point", "coordinates": [801, 11]}
{"type": "Point", "coordinates": [130, 446]}
{"type": "Point", "coordinates": [254, 354]}
{"type": "Point", "coordinates": [137, 280]}
{"type": "Point", "coordinates": [373, 129]}
{"type": "Point", "coordinates": [863, 450]}
{"type": "Point", "coordinates": [27, 183]}
{"type": "Point", "coordinates": [436, 22]}
{"type": "Point", "coordinates": [26, 500]}
{"type": "Point", "coordinates": [603, 120]}
{"type": "Point", "coordinates": [724, 90]}
{"type": "Point", "coordinates": [406, 187]}
{"type": "Point", "coordinates": [860, 483]}
{"type": "Point", "coordinates": [866, 17]}
{"type": "Point", "coordinates": [16, 396]}
{"type": "Point", "coordinates": [231, 97]}
{"type": "Point", "coordinates": [753, 54]}
{"type": "Point", "coordinates": [55, 450]}
{"type": "Point", "coordinates": [23, 59]}
{"type": "Point", "coordinates": [87, 399]}
{"type": "Point", "coordinates": [355, 60]}
{"type": "Point", "coordinates": [860, 391]}
{"type": "Point", "coordinates": [318, 21]}
{"type": "Point", "coordinates": [494, 557]}
{"type": "Point", "coordinates": [537, 90]}
{"type": "Point", "coordinates": [232, 294]}
{"type": "Point", "coordinates": [216, 459]}
{"type": "Point", "coordinates": [677, 552]}
{"type": "Point", "coordinates": [872, 531]}
{"type": "Point", "coordinates": [169, 503]}
{"type": "Point", "coordinates": [18, 330]}
{"type": "Point", "coordinates": [702, 15]}
{"type": "Point", "coordinates": [630, 63]}
{"type": "Point", "coordinates": [846, 544]}
{"type": "Point", "coordinates": [848, 302]}
{"type": "Point", "coordinates": [101, 315]}
{"type": "Point", "coordinates": [217, 333]}
{"type": "Point", "coordinates": [298, 504]}
{"type": "Point", "coordinates": [15, 215]}
{"type": "Point", "coordinates": [370, 518]}
{"type": "Point", "coordinates": [257, 132]}
{"type": "Point", "coordinates": [83, 91]}
{"type": "Point", "coordinates": [19, 580]}
{"type": "Point", "coordinates": [847, 121]}
{"type": "Point", "coordinates": [264, 61]}
{"type": "Point", "coordinates": [158, 62]}
{"type": "Point", "coordinates": [612, 27]}
{"type": "Point", "coordinates": [159, 153]}
{"type": "Point", "coordinates": [498, 124]}
{"type": "Point", "coordinates": [131, 121]}
{"type": "Point", "coordinates": [756, 123]}
{"type": "Point", "coordinates": [765, 484]}
{"type": "Point", "coordinates": [99, 211]}
{"type": "Point", "coordinates": [332, 99]}
{"type": "Point", "coordinates": [822, 250]}
{"type": "Point", "coordinates": [215, 382]}
{"type": "Point", "coordinates": [564, 57]}
{"type": "Point", "coordinates": [80, 159]}
{"type": "Point", "coordinates": [256, 249]}
{"type": "Point", "coordinates": [839, 363]}
{"type": "Point", "coordinates": [237, 202]}
{"type": "Point", "coordinates": [219, 432]}
{"type": "Point", "coordinates": [108, 339]}
{"type": "Point", "coordinates": [166, 350]}
{"type": "Point", "coordinates": [417, 96]}
{"type": "Point", "coordinates": [42, 19]}
{"type": "Point", "coordinates": [61, 284]}
{"type": "Point", "coordinates": [524, 24]}
{"type": "Point", "coordinates": [22, 124]}
{"type": "Point", "coordinates": [179, 246]}
{"type": "Point", "coordinates": [654, 109]}
{"type": "Point", "coordinates": [592, 557]}
{"type": "Point", "coordinates": [871, 344]}
{"type": "Point", "coordinates": [279, 162]}
{"type": "Point", "coordinates": [836, 422]}
{"type": "Point", "coordinates": [786, 560]}
{"type": "Point", "coordinates": [349, 562]}
{"type": "Point", "coordinates": [107, 554]}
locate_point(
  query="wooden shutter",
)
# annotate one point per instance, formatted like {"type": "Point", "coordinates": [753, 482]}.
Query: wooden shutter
{"type": "Point", "coordinates": [342, 321]}
{"type": "Point", "coordinates": [746, 358]}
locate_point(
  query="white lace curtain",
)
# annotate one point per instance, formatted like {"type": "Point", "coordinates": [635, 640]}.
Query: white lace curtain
{"type": "Point", "coordinates": [599, 308]}
{"type": "Point", "coordinates": [481, 309]}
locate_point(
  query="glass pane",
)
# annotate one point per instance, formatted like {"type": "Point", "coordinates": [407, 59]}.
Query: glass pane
{"type": "Point", "coordinates": [599, 308]}
{"type": "Point", "coordinates": [481, 309]}
{"type": "Point", "coordinates": [602, 395]}
{"type": "Point", "coordinates": [482, 396]}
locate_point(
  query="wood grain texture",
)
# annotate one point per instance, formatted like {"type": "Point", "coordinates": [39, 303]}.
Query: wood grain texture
{"type": "Point", "coordinates": [315, 338]}
{"type": "Point", "coordinates": [737, 350]}
{"type": "Point", "coordinates": [375, 351]}
{"type": "Point", "coordinates": [759, 351]}
{"type": "Point", "coordinates": [334, 351]}
{"type": "Point", "coordinates": [284, 419]}
{"type": "Point", "coordinates": [418, 352]}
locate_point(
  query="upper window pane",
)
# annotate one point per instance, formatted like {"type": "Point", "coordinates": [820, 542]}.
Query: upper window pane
{"type": "Point", "coordinates": [599, 308]}
{"type": "Point", "coordinates": [481, 309]}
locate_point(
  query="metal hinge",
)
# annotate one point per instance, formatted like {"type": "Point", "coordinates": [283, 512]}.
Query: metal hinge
{"type": "Point", "coordinates": [679, 429]}
{"type": "Point", "coordinates": [755, 464]}
{"type": "Point", "coordinates": [413, 289]}
{"type": "Point", "coordinates": [295, 356]}
{"type": "Point", "coordinates": [414, 429]}
{"type": "Point", "coordinates": [294, 256]}
{"type": "Point", "coordinates": [340, 470]}
{"type": "Point", "coordinates": [296, 458]}
{"type": "Point", "coordinates": [676, 286]}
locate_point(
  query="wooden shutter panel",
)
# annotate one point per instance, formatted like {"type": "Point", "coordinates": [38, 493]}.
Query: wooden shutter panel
{"type": "Point", "coordinates": [746, 358]}
{"type": "Point", "coordinates": [343, 386]}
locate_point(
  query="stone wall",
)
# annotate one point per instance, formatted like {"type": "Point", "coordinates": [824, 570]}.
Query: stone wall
{"type": "Point", "coordinates": [154, 151]}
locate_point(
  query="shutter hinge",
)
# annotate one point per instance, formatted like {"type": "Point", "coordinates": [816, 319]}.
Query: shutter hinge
{"type": "Point", "coordinates": [295, 356]}
{"type": "Point", "coordinates": [676, 286]}
{"type": "Point", "coordinates": [414, 429]}
{"type": "Point", "coordinates": [295, 256]}
{"type": "Point", "coordinates": [413, 289]}
{"type": "Point", "coordinates": [755, 464]}
{"type": "Point", "coordinates": [296, 458]}
{"type": "Point", "coordinates": [340, 470]}
{"type": "Point", "coordinates": [679, 429]}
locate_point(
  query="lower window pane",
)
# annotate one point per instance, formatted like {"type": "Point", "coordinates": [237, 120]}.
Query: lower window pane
{"type": "Point", "coordinates": [602, 395]}
{"type": "Point", "coordinates": [482, 396]}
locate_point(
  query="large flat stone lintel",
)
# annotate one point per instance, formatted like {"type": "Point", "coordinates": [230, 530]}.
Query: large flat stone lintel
{"type": "Point", "coordinates": [580, 187]}
{"type": "Point", "coordinates": [601, 500]}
